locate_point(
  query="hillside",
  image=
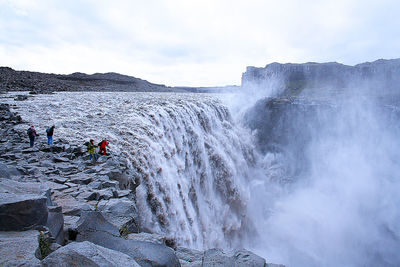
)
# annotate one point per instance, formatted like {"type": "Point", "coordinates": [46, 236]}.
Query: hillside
{"type": "Point", "coordinates": [12, 80]}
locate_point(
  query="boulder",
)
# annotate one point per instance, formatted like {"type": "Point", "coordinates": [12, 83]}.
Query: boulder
{"type": "Point", "coordinates": [72, 207]}
{"type": "Point", "coordinates": [80, 179]}
{"type": "Point", "coordinates": [87, 254]}
{"type": "Point", "coordinates": [55, 186]}
{"type": "Point", "coordinates": [33, 188]}
{"type": "Point", "coordinates": [55, 223]}
{"type": "Point", "coordinates": [61, 159]}
{"type": "Point", "coordinates": [219, 258]}
{"type": "Point", "coordinates": [120, 176]}
{"type": "Point", "coordinates": [189, 257]}
{"type": "Point", "coordinates": [88, 195]}
{"type": "Point", "coordinates": [23, 206]}
{"type": "Point", "coordinates": [120, 212]}
{"type": "Point", "coordinates": [93, 227]}
{"type": "Point", "coordinates": [7, 171]}
{"type": "Point", "coordinates": [107, 194]}
{"type": "Point", "coordinates": [60, 180]}
{"type": "Point", "coordinates": [24, 263]}
{"type": "Point", "coordinates": [153, 238]}
{"type": "Point", "coordinates": [18, 248]}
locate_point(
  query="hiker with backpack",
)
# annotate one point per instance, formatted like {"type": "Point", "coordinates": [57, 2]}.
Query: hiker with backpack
{"type": "Point", "coordinates": [102, 145]}
{"type": "Point", "coordinates": [50, 132]}
{"type": "Point", "coordinates": [32, 135]}
{"type": "Point", "coordinates": [92, 150]}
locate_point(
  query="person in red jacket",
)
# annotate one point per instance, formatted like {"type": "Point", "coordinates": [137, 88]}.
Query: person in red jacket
{"type": "Point", "coordinates": [102, 145]}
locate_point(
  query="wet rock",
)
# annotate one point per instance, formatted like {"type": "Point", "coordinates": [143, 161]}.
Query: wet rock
{"type": "Point", "coordinates": [120, 212]}
{"type": "Point", "coordinates": [87, 254]}
{"type": "Point", "coordinates": [94, 228]}
{"type": "Point", "coordinates": [23, 206]}
{"type": "Point", "coordinates": [18, 248]}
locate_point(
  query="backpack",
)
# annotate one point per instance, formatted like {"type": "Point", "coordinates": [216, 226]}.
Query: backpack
{"type": "Point", "coordinates": [47, 130]}
{"type": "Point", "coordinates": [29, 131]}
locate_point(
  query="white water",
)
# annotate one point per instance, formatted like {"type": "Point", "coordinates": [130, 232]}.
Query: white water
{"type": "Point", "coordinates": [192, 160]}
{"type": "Point", "coordinates": [204, 184]}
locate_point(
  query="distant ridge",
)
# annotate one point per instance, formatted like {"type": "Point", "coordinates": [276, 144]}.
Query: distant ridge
{"type": "Point", "coordinates": [12, 80]}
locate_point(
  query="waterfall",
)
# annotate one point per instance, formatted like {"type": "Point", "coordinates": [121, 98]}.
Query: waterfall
{"type": "Point", "coordinates": [194, 163]}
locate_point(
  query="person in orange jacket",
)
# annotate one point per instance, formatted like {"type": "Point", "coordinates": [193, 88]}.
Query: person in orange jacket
{"type": "Point", "coordinates": [102, 145]}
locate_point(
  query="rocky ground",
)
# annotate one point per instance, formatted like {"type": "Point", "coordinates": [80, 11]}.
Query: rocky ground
{"type": "Point", "coordinates": [59, 209]}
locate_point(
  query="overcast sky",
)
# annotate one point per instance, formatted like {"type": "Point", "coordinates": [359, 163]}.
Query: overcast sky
{"type": "Point", "coordinates": [193, 42]}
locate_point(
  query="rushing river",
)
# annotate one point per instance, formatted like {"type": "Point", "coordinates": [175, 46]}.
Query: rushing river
{"type": "Point", "coordinates": [206, 182]}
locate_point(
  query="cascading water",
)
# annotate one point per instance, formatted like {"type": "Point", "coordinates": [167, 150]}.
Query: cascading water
{"type": "Point", "coordinates": [321, 191]}
{"type": "Point", "coordinates": [192, 161]}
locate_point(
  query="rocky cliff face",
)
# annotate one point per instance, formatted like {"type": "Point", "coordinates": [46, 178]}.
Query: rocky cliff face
{"type": "Point", "coordinates": [381, 77]}
{"type": "Point", "coordinates": [12, 80]}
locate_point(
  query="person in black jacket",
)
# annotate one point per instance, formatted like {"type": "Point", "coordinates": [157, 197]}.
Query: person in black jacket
{"type": "Point", "coordinates": [50, 132]}
{"type": "Point", "coordinates": [32, 134]}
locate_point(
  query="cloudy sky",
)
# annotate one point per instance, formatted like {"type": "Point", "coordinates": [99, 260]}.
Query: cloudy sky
{"type": "Point", "coordinates": [193, 42]}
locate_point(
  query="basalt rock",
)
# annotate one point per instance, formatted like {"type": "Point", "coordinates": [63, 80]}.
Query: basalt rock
{"type": "Point", "coordinates": [93, 227]}
{"type": "Point", "coordinates": [122, 213]}
{"type": "Point", "coordinates": [23, 206]}
{"type": "Point", "coordinates": [87, 254]}
{"type": "Point", "coordinates": [219, 258]}
{"type": "Point", "coordinates": [18, 248]}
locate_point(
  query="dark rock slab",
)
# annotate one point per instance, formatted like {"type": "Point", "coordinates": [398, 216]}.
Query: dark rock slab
{"type": "Point", "coordinates": [55, 186]}
{"type": "Point", "coordinates": [153, 238]}
{"type": "Point", "coordinates": [18, 248]}
{"type": "Point", "coordinates": [72, 207]}
{"type": "Point", "coordinates": [60, 180]}
{"type": "Point", "coordinates": [8, 171]}
{"type": "Point", "coordinates": [87, 254]}
{"type": "Point", "coordinates": [93, 227]}
{"type": "Point", "coordinates": [33, 188]}
{"type": "Point", "coordinates": [61, 159]}
{"type": "Point", "coordinates": [23, 206]}
{"type": "Point", "coordinates": [80, 179]}
{"type": "Point", "coordinates": [219, 258]}
{"type": "Point", "coordinates": [120, 212]}
{"type": "Point", "coordinates": [55, 223]}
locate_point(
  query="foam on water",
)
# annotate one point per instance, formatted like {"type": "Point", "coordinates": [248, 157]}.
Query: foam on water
{"type": "Point", "coordinates": [192, 160]}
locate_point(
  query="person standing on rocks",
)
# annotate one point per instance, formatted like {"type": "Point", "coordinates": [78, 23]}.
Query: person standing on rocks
{"type": "Point", "coordinates": [32, 135]}
{"type": "Point", "coordinates": [92, 150]}
{"type": "Point", "coordinates": [50, 132]}
{"type": "Point", "coordinates": [102, 145]}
